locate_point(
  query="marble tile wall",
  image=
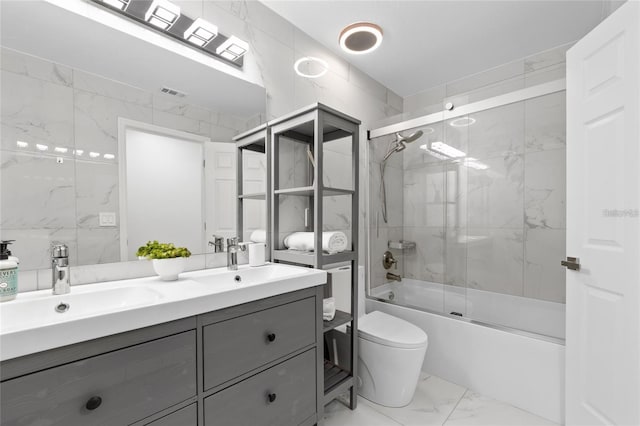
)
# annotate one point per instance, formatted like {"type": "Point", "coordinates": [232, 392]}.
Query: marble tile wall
{"type": "Point", "coordinates": [500, 227]}
{"type": "Point", "coordinates": [76, 119]}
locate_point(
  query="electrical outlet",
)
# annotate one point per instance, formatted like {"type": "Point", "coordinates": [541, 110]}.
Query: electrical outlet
{"type": "Point", "coordinates": [107, 218]}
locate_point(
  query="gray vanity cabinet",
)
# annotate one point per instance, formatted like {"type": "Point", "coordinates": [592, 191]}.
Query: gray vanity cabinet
{"type": "Point", "coordinates": [115, 388]}
{"type": "Point", "coordinates": [253, 364]}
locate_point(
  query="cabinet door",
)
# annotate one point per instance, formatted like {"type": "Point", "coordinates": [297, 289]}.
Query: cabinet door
{"type": "Point", "coordinates": [187, 416]}
{"type": "Point", "coordinates": [280, 396]}
{"type": "Point", "coordinates": [239, 345]}
{"type": "Point", "coordinates": [116, 388]}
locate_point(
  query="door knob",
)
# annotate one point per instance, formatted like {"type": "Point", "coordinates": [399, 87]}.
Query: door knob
{"type": "Point", "coordinates": [572, 263]}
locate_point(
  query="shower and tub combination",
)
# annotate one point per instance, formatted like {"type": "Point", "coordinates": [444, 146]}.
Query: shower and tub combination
{"type": "Point", "coordinates": [466, 232]}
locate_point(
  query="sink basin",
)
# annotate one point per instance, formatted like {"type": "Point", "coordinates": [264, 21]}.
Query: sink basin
{"type": "Point", "coordinates": [251, 275]}
{"type": "Point", "coordinates": [42, 308]}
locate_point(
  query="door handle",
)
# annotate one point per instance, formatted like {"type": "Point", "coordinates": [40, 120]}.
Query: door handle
{"type": "Point", "coordinates": [572, 263]}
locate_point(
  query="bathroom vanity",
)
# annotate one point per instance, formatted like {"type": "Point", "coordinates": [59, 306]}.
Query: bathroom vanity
{"type": "Point", "coordinates": [253, 363]}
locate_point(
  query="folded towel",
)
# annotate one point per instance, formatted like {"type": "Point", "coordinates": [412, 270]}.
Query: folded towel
{"type": "Point", "coordinates": [328, 308]}
{"type": "Point", "coordinates": [332, 242]}
{"type": "Point", "coordinates": [258, 236]}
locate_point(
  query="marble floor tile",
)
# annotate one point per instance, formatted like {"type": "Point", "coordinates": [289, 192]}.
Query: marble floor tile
{"type": "Point", "coordinates": [336, 414]}
{"type": "Point", "coordinates": [432, 403]}
{"type": "Point", "coordinates": [475, 409]}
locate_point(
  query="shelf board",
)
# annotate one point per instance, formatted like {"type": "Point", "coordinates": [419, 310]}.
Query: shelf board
{"type": "Point", "coordinates": [334, 376]}
{"type": "Point", "coordinates": [340, 318]}
{"type": "Point", "coordinates": [308, 257]}
{"type": "Point", "coordinates": [308, 191]}
{"type": "Point", "coordinates": [255, 196]}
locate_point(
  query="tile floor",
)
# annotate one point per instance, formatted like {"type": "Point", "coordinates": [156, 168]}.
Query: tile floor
{"type": "Point", "coordinates": [436, 402]}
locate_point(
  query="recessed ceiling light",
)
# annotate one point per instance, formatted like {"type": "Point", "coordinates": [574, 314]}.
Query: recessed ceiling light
{"type": "Point", "coordinates": [311, 67]}
{"type": "Point", "coordinates": [462, 122]}
{"type": "Point", "coordinates": [118, 4]}
{"type": "Point", "coordinates": [162, 13]}
{"type": "Point", "coordinates": [360, 37]}
{"type": "Point", "coordinates": [232, 48]}
{"type": "Point", "coordinates": [201, 32]}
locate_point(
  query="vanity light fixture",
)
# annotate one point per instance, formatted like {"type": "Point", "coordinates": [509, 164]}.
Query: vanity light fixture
{"type": "Point", "coordinates": [232, 48]}
{"type": "Point", "coordinates": [201, 32]}
{"type": "Point", "coordinates": [118, 4]}
{"type": "Point", "coordinates": [109, 156]}
{"type": "Point", "coordinates": [447, 150]}
{"type": "Point", "coordinates": [61, 149]}
{"type": "Point", "coordinates": [22, 144]}
{"type": "Point", "coordinates": [462, 122]}
{"type": "Point", "coordinates": [320, 67]}
{"type": "Point", "coordinates": [78, 152]}
{"type": "Point", "coordinates": [360, 38]}
{"type": "Point", "coordinates": [42, 147]}
{"type": "Point", "coordinates": [162, 13]}
{"type": "Point", "coordinates": [433, 153]}
{"type": "Point", "coordinates": [94, 154]}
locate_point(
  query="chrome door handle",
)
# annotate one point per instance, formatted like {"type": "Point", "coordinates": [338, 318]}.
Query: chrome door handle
{"type": "Point", "coordinates": [572, 263]}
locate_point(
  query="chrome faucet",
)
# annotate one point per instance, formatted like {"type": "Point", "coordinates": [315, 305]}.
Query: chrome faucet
{"type": "Point", "coordinates": [60, 269]}
{"type": "Point", "coordinates": [232, 253]}
{"type": "Point", "coordinates": [217, 243]}
{"type": "Point", "coordinates": [394, 277]}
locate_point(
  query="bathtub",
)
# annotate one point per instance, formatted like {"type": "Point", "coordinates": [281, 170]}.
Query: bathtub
{"type": "Point", "coordinates": [519, 361]}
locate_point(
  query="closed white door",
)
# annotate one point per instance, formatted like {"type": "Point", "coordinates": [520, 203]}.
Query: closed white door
{"type": "Point", "coordinates": [221, 193]}
{"type": "Point", "coordinates": [603, 163]}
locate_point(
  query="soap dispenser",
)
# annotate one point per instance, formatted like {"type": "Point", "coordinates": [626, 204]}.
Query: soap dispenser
{"type": "Point", "coordinates": [8, 273]}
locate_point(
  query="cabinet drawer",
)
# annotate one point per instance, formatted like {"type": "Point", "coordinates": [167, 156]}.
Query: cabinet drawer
{"type": "Point", "coordinates": [115, 388]}
{"type": "Point", "coordinates": [291, 384]}
{"type": "Point", "coordinates": [187, 416]}
{"type": "Point", "coordinates": [239, 345]}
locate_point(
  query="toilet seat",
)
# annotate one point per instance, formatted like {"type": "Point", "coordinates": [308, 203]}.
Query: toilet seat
{"type": "Point", "coordinates": [387, 330]}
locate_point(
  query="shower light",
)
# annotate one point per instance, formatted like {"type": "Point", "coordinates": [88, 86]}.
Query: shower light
{"type": "Point", "coordinates": [447, 150]}
{"type": "Point", "coordinates": [232, 48]}
{"type": "Point", "coordinates": [162, 13]}
{"type": "Point", "coordinates": [118, 4]}
{"type": "Point", "coordinates": [462, 122]}
{"type": "Point", "coordinates": [360, 38]}
{"type": "Point", "coordinates": [21, 144]}
{"type": "Point", "coordinates": [42, 147]}
{"type": "Point", "coordinates": [311, 61]}
{"type": "Point", "coordinates": [201, 32]}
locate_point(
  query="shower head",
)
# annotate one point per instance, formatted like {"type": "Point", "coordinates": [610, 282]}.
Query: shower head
{"type": "Point", "coordinates": [401, 143]}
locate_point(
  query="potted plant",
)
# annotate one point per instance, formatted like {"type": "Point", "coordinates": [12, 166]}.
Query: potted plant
{"type": "Point", "coordinates": [168, 260]}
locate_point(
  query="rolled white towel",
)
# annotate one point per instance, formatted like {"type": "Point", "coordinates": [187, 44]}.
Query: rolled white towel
{"type": "Point", "coordinates": [258, 236]}
{"type": "Point", "coordinates": [332, 242]}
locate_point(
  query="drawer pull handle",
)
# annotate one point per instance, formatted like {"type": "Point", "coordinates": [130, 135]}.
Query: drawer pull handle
{"type": "Point", "coordinates": [93, 403]}
{"type": "Point", "coordinates": [271, 337]}
{"type": "Point", "coordinates": [271, 397]}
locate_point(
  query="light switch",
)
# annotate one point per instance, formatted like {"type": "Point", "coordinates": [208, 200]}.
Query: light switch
{"type": "Point", "coordinates": [107, 218]}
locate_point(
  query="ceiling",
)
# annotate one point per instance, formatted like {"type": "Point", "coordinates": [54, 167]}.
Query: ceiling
{"type": "Point", "coordinates": [428, 43]}
{"type": "Point", "coordinates": [92, 39]}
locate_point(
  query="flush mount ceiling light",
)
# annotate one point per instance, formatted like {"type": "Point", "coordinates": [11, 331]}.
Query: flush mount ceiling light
{"type": "Point", "coordinates": [360, 38]}
{"type": "Point", "coordinates": [201, 32]}
{"type": "Point", "coordinates": [462, 122]}
{"type": "Point", "coordinates": [118, 4]}
{"type": "Point", "coordinates": [232, 48]}
{"type": "Point", "coordinates": [162, 13]}
{"type": "Point", "coordinates": [311, 67]}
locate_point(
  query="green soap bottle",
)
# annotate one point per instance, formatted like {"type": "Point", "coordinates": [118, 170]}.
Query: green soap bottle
{"type": "Point", "coordinates": [8, 273]}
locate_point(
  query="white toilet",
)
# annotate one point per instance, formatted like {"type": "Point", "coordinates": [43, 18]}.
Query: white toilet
{"type": "Point", "coordinates": [391, 352]}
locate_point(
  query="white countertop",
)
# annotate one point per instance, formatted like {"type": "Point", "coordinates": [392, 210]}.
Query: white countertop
{"type": "Point", "coordinates": [30, 324]}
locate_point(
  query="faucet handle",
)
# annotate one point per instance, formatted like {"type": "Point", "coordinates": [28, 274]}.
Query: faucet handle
{"type": "Point", "coordinates": [233, 241]}
{"type": "Point", "coordinates": [60, 250]}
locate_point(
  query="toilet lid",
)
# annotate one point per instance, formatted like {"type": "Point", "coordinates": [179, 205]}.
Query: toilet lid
{"type": "Point", "coordinates": [388, 330]}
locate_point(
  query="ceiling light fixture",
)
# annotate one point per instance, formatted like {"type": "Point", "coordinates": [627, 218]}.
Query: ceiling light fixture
{"type": "Point", "coordinates": [462, 122]}
{"type": "Point", "coordinates": [447, 150]}
{"type": "Point", "coordinates": [360, 38]}
{"type": "Point", "coordinates": [162, 13]}
{"type": "Point", "coordinates": [313, 67]}
{"type": "Point", "coordinates": [201, 32]}
{"type": "Point", "coordinates": [118, 4]}
{"type": "Point", "coordinates": [232, 48]}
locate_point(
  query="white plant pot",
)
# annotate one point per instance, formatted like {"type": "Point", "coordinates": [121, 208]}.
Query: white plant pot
{"type": "Point", "coordinates": [169, 269]}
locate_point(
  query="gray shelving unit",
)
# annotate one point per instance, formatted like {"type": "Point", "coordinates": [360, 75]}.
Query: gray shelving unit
{"type": "Point", "coordinates": [256, 140]}
{"type": "Point", "coordinates": [314, 126]}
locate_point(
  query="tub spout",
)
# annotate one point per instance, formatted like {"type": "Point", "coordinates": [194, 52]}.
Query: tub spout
{"type": "Point", "coordinates": [393, 277]}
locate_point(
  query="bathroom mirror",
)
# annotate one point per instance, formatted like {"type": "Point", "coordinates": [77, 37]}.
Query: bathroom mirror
{"type": "Point", "coordinates": [68, 100]}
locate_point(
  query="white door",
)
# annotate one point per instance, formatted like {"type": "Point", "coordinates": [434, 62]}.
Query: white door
{"type": "Point", "coordinates": [603, 163]}
{"type": "Point", "coordinates": [221, 193]}
{"type": "Point", "coordinates": [254, 177]}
